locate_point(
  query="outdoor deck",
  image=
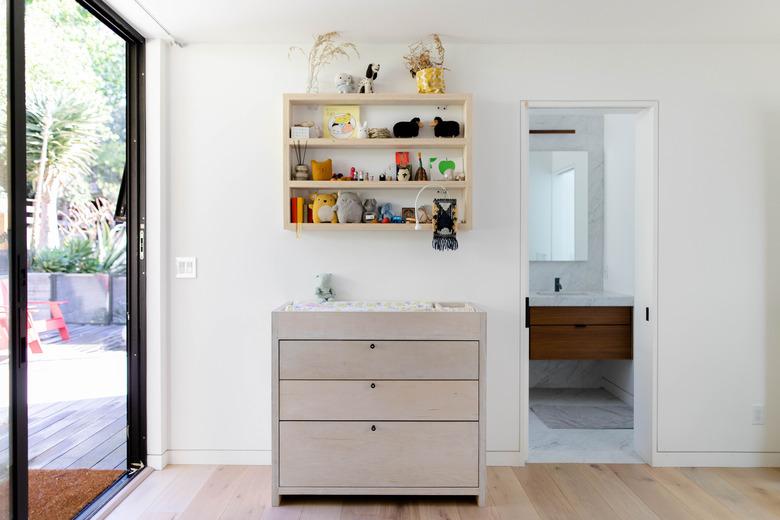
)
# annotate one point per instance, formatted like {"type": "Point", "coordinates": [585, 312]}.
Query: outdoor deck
{"type": "Point", "coordinates": [77, 412]}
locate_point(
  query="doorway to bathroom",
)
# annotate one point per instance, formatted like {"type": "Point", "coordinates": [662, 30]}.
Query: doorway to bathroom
{"type": "Point", "coordinates": [588, 280]}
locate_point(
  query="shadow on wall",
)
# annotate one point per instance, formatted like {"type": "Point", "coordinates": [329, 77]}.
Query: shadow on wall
{"type": "Point", "coordinates": [771, 430]}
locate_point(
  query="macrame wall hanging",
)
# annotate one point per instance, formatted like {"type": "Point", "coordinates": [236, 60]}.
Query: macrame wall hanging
{"type": "Point", "coordinates": [445, 215]}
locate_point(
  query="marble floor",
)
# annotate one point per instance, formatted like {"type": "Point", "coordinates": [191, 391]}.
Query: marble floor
{"type": "Point", "coordinates": [577, 445]}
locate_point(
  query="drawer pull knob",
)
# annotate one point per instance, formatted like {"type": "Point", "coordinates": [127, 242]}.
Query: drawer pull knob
{"type": "Point", "coordinates": [372, 346]}
{"type": "Point", "coordinates": [373, 385]}
{"type": "Point", "coordinates": [373, 427]}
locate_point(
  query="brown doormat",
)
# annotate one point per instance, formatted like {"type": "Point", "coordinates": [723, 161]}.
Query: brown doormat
{"type": "Point", "coordinates": [59, 494]}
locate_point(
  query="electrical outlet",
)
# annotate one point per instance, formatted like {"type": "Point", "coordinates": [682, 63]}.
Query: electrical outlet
{"type": "Point", "coordinates": [758, 414]}
{"type": "Point", "coordinates": [186, 267]}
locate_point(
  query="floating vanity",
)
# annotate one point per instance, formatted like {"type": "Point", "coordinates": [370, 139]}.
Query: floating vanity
{"type": "Point", "coordinates": [379, 398]}
{"type": "Point", "coordinates": [585, 325]}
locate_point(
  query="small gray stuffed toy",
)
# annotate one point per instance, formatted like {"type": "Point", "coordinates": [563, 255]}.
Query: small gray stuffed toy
{"type": "Point", "coordinates": [369, 210]}
{"type": "Point", "coordinates": [348, 207]}
{"type": "Point", "coordinates": [322, 290]}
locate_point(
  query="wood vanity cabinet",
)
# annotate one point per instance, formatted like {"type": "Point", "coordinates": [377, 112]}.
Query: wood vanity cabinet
{"type": "Point", "coordinates": [378, 403]}
{"type": "Point", "coordinates": [569, 333]}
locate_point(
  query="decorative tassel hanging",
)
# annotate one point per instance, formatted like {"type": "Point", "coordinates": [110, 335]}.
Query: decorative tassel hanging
{"type": "Point", "coordinates": [445, 215]}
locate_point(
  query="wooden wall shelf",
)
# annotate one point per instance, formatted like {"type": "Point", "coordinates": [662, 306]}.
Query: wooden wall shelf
{"type": "Point", "coordinates": [461, 145]}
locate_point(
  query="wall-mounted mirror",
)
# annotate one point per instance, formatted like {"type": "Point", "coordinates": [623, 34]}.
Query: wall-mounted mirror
{"type": "Point", "coordinates": [558, 206]}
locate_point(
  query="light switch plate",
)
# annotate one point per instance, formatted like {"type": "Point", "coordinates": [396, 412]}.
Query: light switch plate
{"type": "Point", "coordinates": [186, 267]}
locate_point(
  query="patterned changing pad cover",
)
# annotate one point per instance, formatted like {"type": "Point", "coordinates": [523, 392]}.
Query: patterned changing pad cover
{"type": "Point", "coordinates": [378, 306]}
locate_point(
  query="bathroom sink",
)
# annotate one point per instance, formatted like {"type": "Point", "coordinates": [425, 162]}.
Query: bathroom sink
{"type": "Point", "coordinates": [562, 293]}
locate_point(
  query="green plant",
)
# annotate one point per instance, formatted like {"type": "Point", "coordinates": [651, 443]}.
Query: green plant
{"type": "Point", "coordinates": [75, 256]}
{"type": "Point", "coordinates": [94, 222]}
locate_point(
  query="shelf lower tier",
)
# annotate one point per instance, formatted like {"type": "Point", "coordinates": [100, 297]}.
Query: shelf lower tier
{"type": "Point", "coordinates": [387, 185]}
{"type": "Point", "coordinates": [366, 227]}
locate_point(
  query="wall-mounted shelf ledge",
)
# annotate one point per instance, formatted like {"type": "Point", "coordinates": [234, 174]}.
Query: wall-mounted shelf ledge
{"type": "Point", "coordinates": [377, 99]}
{"type": "Point", "coordinates": [366, 185]}
{"type": "Point", "coordinates": [365, 227]}
{"type": "Point", "coordinates": [395, 143]}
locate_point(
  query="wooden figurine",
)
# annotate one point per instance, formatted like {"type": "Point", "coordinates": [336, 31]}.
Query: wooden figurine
{"type": "Point", "coordinates": [420, 174]}
{"type": "Point", "coordinates": [367, 83]}
{"type": "Point", "coordinates": [443, 128]}
{"type": "Point", "coordinates": [407, 128]}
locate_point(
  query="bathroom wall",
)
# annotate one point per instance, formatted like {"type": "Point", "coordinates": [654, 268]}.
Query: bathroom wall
{"type": "Point", "coordinates": [589, 137]}
{"type": "Point", "coordinates": [720, 118]}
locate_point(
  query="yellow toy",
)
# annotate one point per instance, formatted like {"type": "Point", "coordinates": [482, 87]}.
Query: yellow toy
{"type": "Point", "coordinates": [322, 208]}
{"type": "Point", "coordinates": [321, 170]}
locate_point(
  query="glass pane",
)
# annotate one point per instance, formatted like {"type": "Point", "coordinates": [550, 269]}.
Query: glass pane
{"type": "Point", "coordinates": [5, 181]}
{"type": "Point", "coordinates": [76, 152]}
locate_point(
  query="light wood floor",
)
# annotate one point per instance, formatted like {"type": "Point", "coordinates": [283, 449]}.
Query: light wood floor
{"type": "Point", "coordinates": [537, 491]}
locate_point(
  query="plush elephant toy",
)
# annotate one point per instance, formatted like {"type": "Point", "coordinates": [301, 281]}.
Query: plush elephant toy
{"type": "Point", "coordinates": [348, 207]}
{"type": "Point", "coordinates": [322, 290]}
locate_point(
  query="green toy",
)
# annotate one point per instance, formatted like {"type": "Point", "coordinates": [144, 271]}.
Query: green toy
{"type": "Point", "coordinates": [446, 167]}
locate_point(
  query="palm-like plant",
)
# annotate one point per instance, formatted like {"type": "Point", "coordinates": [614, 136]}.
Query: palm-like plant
{"type": "Point", "coordinates": [63, 136]}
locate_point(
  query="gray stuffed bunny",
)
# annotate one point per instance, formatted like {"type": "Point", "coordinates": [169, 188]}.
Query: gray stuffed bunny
{"type": "Point", "coordinates": [369, 210]}
{"type": "Point", "coordinates": [322, 290]}
{"type": "Point", "coordinates": [348, 207]}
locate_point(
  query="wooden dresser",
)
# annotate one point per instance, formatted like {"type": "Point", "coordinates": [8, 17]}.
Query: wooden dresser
{"type": "Point", "coordinates": [378, 403]}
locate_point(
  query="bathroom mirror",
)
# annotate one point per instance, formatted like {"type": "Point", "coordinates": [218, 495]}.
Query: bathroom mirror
{"type": "Point", "coordinates": [558, 206]}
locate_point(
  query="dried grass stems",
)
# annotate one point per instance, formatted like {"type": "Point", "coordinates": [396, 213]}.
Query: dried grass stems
{"type": "Point", "coordinates": [425, 55]}
{"type": "Point", "coordinates": [300, 151]}
{"type": "Point", "coordinates": [325, 50]}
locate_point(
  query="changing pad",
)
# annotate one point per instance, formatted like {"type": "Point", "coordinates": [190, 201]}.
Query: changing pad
{"type": "Point", "coordinates": [378, 306]}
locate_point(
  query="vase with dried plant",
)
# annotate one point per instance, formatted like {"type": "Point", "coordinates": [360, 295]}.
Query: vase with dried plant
{"type": "Point", "coordinates": [425, 62]}
{"type": "Point", "coordinates": [325, 49]}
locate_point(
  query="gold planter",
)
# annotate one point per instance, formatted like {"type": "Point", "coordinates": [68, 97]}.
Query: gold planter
{"type": "Point", "coordinates": [430, 80]}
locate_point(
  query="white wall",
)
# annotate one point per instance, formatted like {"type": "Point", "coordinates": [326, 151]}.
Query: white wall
{"type": "Point", "coordinates": [619, 203]}
{"type": "Point", "coordinates": [719, 248]}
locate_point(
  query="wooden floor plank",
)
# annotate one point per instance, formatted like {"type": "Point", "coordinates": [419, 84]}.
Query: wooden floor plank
{"type": "Point", "coordinates": [251, 496]}
{"type": "Point", "coordinates": [182, 490]}
{"type": "Point", "coordinates": [507, 495]}
{"type": "Point", "coordinates": [621, 499]}
{"type": "Point", "coordinates": [153, 487]}
{"type": "Point", "coordinates": [545, 495]}
{"type": "Point", "coordinates": [212, 499]}
{"type": "Point", "coordinates": [760, 485]}
{"type": "Point", "coordinates": [581, 494]}
{"type": "Point", "coordinates": [719, 488]}
{"type": "Point", "coordinates": [698, 501]}
{"type": "Point", "coordinates": [640, 480]}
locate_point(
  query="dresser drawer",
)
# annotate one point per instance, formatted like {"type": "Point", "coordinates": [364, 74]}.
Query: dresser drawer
{"type": "Point", "coordinates": [378, 454]}
{"type": "Point", "coordinates": [333, 359]}
{"type": "Point", "coordinates": [581, 315]}
{"type": "Point", "coordinates": [379, 400]}
{"type": "Point", "coordinates": [583, 342]}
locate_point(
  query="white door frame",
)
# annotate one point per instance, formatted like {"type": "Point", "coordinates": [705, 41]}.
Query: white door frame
{"type": "Point", "coordinates": [646, 372]}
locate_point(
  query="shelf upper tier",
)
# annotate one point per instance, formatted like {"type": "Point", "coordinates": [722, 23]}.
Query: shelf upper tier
{"type": "Point", "coordinates": [414, 142]}
{"type": "Point", "coordinates": [390, 185]}
{"type": "Point", "coordinates": [377, 99]}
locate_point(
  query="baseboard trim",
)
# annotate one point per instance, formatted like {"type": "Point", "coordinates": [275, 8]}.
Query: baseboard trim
{"type": "Point", "coordinates": [620, 393]}
{"type": "Point", "coordinates": [504, 458]}
{"type": "Point", "coordinates": [716, 459]}
{"type": "Point", "coordinates": [224, 457]}
{"type": "Point", "coordinates": [157, 462]}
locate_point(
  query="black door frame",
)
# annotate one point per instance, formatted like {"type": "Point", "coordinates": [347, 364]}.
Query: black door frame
{"type": "Point", "coordinates": [135, 188]}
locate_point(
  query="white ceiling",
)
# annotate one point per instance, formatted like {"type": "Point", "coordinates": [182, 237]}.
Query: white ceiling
{"type": "Point", "coordinates": [479, 21]}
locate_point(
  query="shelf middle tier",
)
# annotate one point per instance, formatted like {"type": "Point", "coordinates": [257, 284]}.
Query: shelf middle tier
{"type": "Point", "coordinates": [411, 143]}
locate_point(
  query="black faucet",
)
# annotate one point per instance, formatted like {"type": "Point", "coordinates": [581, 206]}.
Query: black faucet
{"type": "Point", "coordinates": [558, 285]}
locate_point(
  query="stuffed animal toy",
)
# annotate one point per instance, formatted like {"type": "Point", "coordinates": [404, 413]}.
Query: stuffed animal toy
{"type": "Point", "coordinates": [386, 213]}
{"type": "Point", "coordinates": [370, 211]}
{"type": "Point", "coordinates": [348, 207]}
{"type": "Point", "coordinates": [407, 128]}
{"type": "Point", "coordinates": [322, 289]}
{"type": "Point", "coordinates": [322, 208]}
{"type": "Point", "coordinates": [367, 83]}
{"type": "Point", "coordinates": [443, 128]}
{"type": "Point", "coordinates": [321, 170]}
{"type": "Point", "coordinates": [344, 83]}
{"type": "Point", "coordinates": [363, 130]}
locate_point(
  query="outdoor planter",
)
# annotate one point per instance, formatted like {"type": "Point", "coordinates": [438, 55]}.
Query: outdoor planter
{"type": "Point", "coordinates": [88, 297]}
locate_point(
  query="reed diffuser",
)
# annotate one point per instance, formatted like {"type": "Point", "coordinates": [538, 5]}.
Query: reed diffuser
{"type": "Point", "coordinates": [301, 168]}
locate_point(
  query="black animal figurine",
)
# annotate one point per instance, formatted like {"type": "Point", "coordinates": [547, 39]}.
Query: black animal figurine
{"type": "Point", "coordinates": [407, 128]}
{"type": "Point", "coordinates": [443, 128]}
{"type": "Point", "coordinates": [367, 83]}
